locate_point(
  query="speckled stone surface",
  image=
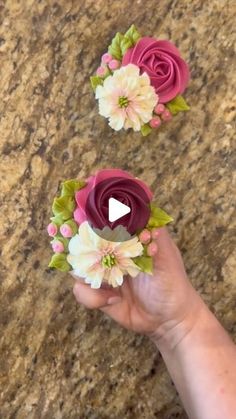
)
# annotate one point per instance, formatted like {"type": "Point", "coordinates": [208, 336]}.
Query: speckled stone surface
{"type": "Point", "coordinates": [59, 360]}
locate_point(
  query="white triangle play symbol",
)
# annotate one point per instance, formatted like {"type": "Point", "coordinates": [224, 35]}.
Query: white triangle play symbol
{"type": "Point", "coordinates": [116, 209]}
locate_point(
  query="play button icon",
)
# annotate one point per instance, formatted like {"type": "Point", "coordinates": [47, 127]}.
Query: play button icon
{"type": "Point", "coordinates": [116, 209]}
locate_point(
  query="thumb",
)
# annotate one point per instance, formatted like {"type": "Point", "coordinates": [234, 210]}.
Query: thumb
{"type": "Point", "coordinates": [95, 298]}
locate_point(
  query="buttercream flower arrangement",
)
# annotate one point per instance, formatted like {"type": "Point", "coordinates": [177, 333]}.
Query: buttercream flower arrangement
{"type": "Point", "coordinates": [90, 246]}
{"type": "Point", "coordinates": [140, 82]}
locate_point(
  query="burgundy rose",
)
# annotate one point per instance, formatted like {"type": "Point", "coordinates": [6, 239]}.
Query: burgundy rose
{"type": "Point", "coordinates": [92, 200]}
{"type": "Point", "coordinates": [168, 72]}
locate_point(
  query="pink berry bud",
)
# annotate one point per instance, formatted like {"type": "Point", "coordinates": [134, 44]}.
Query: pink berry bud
{"type": "Point", "coordinates": [159, 109]}
{"type": "Point", "coordinates": [152, 249]}
{"type": "Point", "coordinates": [52, 229]}
{"type": "Point", "coordinates": [145, 236]}
{"type": "Point", "coordinates": [166, 115]}
{"type": "Point", "coordinates": [155, 122]}
{"type": "Point", "coordinates": [106, 58]}
{"type": "Point", "coordinates": [101, 71]}
{"type": "Point", "coordinates": [57, 246]}
{"type": "Point", "coordinates": [66, 230]}
{"type": "Point", "coordinates": [114, 64]}
{"type": "Point", "coordinates": [155, 233]}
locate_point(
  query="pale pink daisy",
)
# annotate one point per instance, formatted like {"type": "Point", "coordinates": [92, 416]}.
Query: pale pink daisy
{"type": "Point", "coordinates": [96, 259]}
{"type": "Point", "coordinates": [127, 98]}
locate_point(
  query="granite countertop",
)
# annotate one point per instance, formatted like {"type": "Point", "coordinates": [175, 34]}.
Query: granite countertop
{"type": "Point", "coordinates": [59, 360]}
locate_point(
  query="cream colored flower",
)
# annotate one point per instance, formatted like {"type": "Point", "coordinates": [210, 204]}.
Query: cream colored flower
{"type": "Point", "coordinates": [127, 98]}
{"type": "Point", "coordinates": [96, 259]}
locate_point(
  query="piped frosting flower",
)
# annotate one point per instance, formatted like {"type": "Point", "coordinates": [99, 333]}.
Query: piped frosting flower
{"type": "Point", "coordinates": [105, 251]}
{"type": "Point", "coordinates": [127, 98]}
{"type": "Point", "coordinates": [96, 259]}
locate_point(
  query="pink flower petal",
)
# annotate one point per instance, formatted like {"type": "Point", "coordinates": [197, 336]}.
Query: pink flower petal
{"type": "Point", "coordinates": [160, 59]}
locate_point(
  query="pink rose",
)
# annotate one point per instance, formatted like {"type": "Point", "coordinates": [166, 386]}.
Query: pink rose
{"type": "Point", "coordinates": [168, 72]}
{"type": "Point", "coordinates": [92, 200]}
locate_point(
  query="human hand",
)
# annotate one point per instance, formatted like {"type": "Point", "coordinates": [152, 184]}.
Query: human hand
{"type": "Point", "coordinates": [147, 304]}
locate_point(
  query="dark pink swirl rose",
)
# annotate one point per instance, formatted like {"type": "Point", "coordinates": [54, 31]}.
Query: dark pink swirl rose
{"type": "Point", "coordinates": [92, 200]}
{"type": "Point", "coordinates": [168, 72]}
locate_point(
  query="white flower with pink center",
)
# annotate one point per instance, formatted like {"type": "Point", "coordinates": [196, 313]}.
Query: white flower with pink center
{"type": "Point", "coordinates": [96, 259]}
{"type": "Point", "coordinates": [127, 98]}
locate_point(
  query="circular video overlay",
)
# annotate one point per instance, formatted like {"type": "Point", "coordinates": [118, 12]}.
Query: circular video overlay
{"type": "Point", "coordinates": [117, 208]}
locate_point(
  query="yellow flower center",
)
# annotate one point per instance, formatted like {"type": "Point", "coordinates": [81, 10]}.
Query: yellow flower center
{"type": "Point", "coordinates": [108, 261]}
{"type": "Point", "coordinates": [123, 102]}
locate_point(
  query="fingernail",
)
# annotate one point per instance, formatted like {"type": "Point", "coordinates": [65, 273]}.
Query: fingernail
{"type": "Point", "coordinates": [114, 300]}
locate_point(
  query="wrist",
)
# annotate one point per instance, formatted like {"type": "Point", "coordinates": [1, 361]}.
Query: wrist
{"type": "Point", "coordinates": [171, 332]}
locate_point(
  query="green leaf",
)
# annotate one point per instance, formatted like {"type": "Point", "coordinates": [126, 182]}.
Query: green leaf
{"type": "Point", "coordinates": [69, 187]}
{"type": "Point", "coordinates": [133, 34]}
{"type": "Point", "coordinates": [130, 39]}
{"type": "Point", "coordinates": [126, 43]}
{"type": "Point", "coordinates": [145, 263]}
{"type": "Point", "coordinates": [146, 129]}
{"type": "Point", "coordinates": [177, 104]}
{"type": "Point", "coordinates": [158, 217]}
{"type": "Point", "coordinates": [63, 207]}
{"type": "Point", "coordinates": [96, 81]}
{"type": "Point", "coordinates": [115, 48]}
{"type": "Point", "coordinates": [59, 261]}
{"type": "Point", "coordinates": [58, 220]}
